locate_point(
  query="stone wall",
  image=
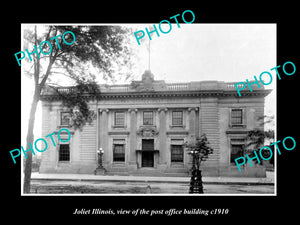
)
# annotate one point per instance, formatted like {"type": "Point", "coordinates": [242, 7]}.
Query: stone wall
{"type": "Point", "coordinates": [206, 109]}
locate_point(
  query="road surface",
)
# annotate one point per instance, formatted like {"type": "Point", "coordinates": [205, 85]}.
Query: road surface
{"type": "Point", "coordinates": [127, 187]}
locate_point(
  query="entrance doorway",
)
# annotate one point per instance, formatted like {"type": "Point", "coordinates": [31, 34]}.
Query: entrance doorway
{"type": "Point", "coordinates": [148, 153]}
{"type": "Point", "coordinates": [147, 159]}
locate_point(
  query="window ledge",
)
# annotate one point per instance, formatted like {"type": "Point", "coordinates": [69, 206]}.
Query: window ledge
{"type": "Point", "coordinates": [236, 131]}
{"type": "Point", "coordinates": [177, 126]}
{"type": "Point", "coordinates": [64, 126]}
{"type": "Point", "coordinates": [119, 164]}
{"type": "Point", "coordinates": [237, 125]}
{"type": "Point", "coordinates": [177, 164]}
{"type": "Point", "coordinates": [119, 126]}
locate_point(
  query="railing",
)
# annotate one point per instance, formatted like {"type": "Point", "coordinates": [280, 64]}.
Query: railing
{"type": "Point", "coordinates": [168, 87]}
{"type": "Point", "coordinates": [64, 90]}
{"type": "Point", "coordinates": [129, 88]}
{"type": "Point", "coordinates": [178, 86]}
{"type": "Point", "coordinates": [118, 88]}
{"type": "Point", "coordinates": [231, 85]}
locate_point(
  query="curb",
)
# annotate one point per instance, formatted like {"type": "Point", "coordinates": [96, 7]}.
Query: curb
{"type": "Point", "coordinates": [205, 180]}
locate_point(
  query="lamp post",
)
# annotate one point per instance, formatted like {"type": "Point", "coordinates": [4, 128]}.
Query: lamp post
{"type": "Point", "coordinates": [100, 153]}
{"type": "Point", "coordinates": [196, 178]}
{"type": "Point", "coordinates": [100, 169]}
{"type": "Point", "coordinates": [199, 150]}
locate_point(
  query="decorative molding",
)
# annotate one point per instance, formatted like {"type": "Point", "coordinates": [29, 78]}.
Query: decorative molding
{"type": "Point", "coordinates": [162, 109]}
{"type": "Point", "coordinates": [193, 108]}
{"type": "Point", "coordinates": [166, 94]}
{"type": "Point", "coordinates": [118, 132]}
{"type": "Point", "coordinates": [147, 131]}
{"type": "Point", "coordinates": [146, 84]}
{"type": "Point", "coordinates": [143, 150]}
{"type": "Point", "coordinates": [179, 132]}
{"type": "Point", "coordinates": [133, 110]}
{"type": "Point", "coordinates": [103, 110]}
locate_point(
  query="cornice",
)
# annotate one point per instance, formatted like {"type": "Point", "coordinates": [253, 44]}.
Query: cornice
{"type": "Point", "coordinates": [166, 94]}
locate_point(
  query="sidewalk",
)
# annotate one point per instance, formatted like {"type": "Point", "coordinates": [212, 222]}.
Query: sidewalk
{"type": "Point", "coordinates": [116, 178]}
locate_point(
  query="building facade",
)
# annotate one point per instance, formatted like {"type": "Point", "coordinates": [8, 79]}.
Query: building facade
{"type": "Point", "coordinates": [142, 128]}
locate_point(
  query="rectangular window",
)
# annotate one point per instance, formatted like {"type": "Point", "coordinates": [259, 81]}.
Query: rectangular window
{"type": "Point", "coordinates": [64, 152]}
{"type": "Point", "coordinates": [65, 118]}
{"type": "Point", "coordinates": [236, 152]}
{"type": "Point", "coordinates": [119, 152]}
{"type": "Point", "coordinates": [120, 119]}
{"type": "Point", "coordinates": [177, 153]}
{"type": "Point", "coordinates": [147, 118]}
{"type": "Point", "coordinates": [236, 117]}
{"type": "Point", "coordinates": [177, 118]}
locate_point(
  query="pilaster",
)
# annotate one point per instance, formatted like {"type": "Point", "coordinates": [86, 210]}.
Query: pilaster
{"type": "Point", "coordinates": [132, 137]}
{"type": "Point", "coordinates": [103, 134]}
{"type": "Point", "coordinates": [192, 123]}
{"type": "Point", "coordinates": [162, 135]}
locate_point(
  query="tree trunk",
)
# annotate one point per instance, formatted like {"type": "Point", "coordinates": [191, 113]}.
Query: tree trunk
{"type": "Point", "coordinates": [29, 140]}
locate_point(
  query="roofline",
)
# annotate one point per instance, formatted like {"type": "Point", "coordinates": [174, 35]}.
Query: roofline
{"type": "Point", "coordinates": [159, 94]}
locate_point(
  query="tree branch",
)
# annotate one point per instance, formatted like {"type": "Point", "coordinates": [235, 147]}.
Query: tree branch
{"type": "Point", "coordinates": [65, 74]}
{"type": "Point", "coordinates": [47, 73]}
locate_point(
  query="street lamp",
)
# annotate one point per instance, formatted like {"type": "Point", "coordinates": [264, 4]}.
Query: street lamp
{"type": "Point", "coordinates": [100, 170]}
{"type": "Point", "coordinates": [100, 152]}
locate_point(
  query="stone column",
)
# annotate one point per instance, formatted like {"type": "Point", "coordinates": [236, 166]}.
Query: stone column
{"type": "Point", "coordinates": [132, 160]}
{"type": "Point", "coordinates": [162, 137]}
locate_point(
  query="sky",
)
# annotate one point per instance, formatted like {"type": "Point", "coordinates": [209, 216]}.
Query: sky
{"type": "Point", "coordinates": [193, 52]}
{"type": "Point", "coordinates": [228, 52]}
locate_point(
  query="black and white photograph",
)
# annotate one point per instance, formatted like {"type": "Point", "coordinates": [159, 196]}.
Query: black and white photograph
{"type": "Point", "coordinates": [125, 112]}
{"type": "Point", "coordinates": [149, 109]}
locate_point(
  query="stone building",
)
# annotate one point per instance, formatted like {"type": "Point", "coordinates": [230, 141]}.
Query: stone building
{"type": "Point", "coordinates": [142, 126]}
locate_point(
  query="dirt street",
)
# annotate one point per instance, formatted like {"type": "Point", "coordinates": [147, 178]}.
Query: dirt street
{"type": "Point", "coordinates": [121, 187]}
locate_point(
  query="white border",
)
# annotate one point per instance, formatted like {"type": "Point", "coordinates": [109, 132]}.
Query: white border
{"type": "Point", "coordinates": [190, 195]}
